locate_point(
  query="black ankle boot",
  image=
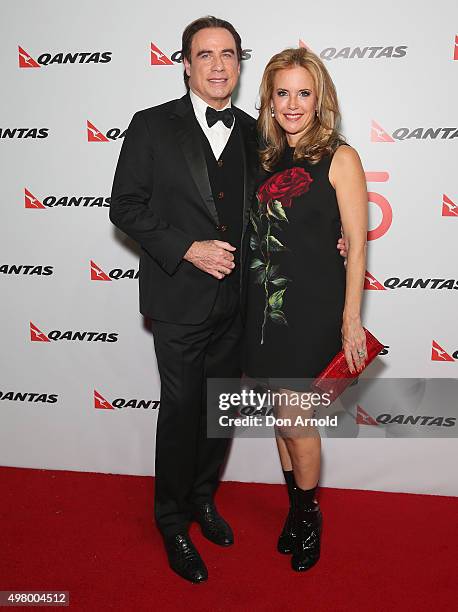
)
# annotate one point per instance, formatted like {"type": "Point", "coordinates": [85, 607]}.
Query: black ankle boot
{"type": "Point", "coordinates": [307, 526]}
{"type": "Point", "coordinates": [285, 542]}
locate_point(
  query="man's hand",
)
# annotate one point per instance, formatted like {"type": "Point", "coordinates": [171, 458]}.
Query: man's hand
{"type": "Point", "coordinates": [342, 246]}
{"type": "Point", "coordinates": [212, 256]}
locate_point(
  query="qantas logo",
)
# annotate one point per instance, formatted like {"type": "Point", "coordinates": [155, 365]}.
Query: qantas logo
{"type": "Point", "coordinates": [36, 335]}
{"type": "Point", "coordinates": [27, 270]}
{"type": "Point", "coordinates": [95, 135]}
{"type": "Point", "coordinates": [26, 60]}
{"type": "Point", "coordinates": [23, 132]}
{"type": "Point", "coordinates": [439, 354]}
{"type": "Point", "coordinates": [374, 52]}
{"type": "Point", "coordinates": [449, 208]}
{"type": "Point", "coordinates": [22, 396]}
{"type": "Point", "coordinates": [370, 282]}
{"type": "Point", "coordinates": [31, 201]}
{"type": "Point", "coordinates": [52, 201]}
{"type": "Point", "coordinates": [362, 418]}
{"type": "Point", "coordinates": [159, 58]}
{"type": "Point", "coordinates": [95, 57]}
{"type": "Point", "coordinates": [100, 403]}
{"type": "Point", "coordinates": [97, 274]}
{"type": "Point", "coordinates": [410, 419]}
{"type": "Point", "coordinates": [389, 51]}
{"type": "Point", "coordinates": [379, 134]}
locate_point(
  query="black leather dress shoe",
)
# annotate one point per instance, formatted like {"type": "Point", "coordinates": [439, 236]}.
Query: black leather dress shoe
{"type": "Point", "coordinates": [213, 526]}
{"type": "Point", "coordinates": [184, 558]}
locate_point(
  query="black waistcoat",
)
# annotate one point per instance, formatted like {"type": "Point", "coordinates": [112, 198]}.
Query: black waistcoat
{"type": "Point", "coordinates": [226, 181]}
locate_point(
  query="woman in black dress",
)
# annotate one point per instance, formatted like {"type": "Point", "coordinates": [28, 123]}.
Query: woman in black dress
{"type": "Point", "coordinates": [303, 302]}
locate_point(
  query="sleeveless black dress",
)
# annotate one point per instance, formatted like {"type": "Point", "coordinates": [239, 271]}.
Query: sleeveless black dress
{"type": "Point", "coordinates": [296, 283]}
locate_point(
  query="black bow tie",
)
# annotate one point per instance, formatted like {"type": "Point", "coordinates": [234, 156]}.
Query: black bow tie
{"type": "Point", "coordinates": [213, 116]}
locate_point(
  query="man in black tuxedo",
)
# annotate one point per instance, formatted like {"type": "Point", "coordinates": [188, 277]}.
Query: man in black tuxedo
{"type": "Point", "coordinates": [182, 190]}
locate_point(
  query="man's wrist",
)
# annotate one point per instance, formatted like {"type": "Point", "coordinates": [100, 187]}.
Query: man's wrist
{"type": "Point", "coordinates": [188, 252]}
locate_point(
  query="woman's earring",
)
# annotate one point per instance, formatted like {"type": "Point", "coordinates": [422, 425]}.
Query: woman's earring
{"type": "Point", "coordinates": [272, 111]}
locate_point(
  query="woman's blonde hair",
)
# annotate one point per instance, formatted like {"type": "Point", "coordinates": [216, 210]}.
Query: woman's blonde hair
{"type": "Point", "coordinates": [321, 137]}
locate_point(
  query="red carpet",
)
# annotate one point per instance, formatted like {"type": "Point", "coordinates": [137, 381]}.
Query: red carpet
{"type": "Point", "coordinates": [93, 535]}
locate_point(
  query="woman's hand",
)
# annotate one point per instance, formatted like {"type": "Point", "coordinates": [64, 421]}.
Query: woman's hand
{"type": "Point", "coordinates": [354, 344]}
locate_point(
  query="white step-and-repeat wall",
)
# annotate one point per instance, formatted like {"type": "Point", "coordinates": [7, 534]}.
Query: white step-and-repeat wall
{"type": "Point", "coordinates": [79, 386]}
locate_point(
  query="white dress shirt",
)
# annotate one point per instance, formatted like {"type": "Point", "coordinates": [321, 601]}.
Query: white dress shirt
{"type": "Point", "coordinates": [218, 134]}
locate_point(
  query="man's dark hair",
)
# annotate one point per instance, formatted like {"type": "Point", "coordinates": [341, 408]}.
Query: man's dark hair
{"type": "Point", "coordinates": [200, 24]}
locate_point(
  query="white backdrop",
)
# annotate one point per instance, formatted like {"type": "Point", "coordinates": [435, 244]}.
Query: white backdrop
{"type": "Point", "coordinates": [395, 67]}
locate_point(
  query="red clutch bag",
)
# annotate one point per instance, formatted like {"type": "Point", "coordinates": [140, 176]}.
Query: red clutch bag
{"type": "Point", "coordinates": [336, 376]}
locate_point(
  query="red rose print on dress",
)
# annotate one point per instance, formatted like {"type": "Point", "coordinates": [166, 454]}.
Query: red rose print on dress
{"type": "Point", "coordinates": [274, 196]}
{"type": "Point", "coordinates": [284, 186]}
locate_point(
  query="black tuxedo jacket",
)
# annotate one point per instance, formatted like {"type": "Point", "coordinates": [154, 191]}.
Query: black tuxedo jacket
{"type": "Point", "coordinates": [162, 198]}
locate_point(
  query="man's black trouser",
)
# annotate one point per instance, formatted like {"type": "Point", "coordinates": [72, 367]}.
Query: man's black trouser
{"type": "Point", "coordinates": [187, 462]}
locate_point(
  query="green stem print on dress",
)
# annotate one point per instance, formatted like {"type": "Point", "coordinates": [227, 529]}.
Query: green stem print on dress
{"type": "Point", "coordinates": [269, 216]}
